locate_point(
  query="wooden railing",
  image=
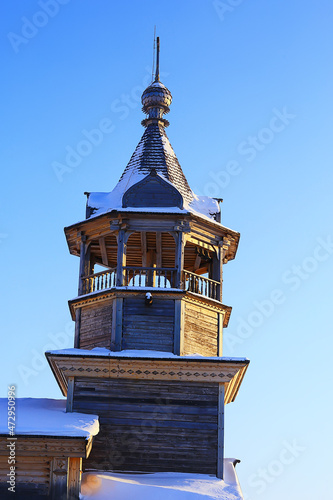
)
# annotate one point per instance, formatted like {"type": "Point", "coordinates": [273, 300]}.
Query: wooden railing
{"type": "Point", "coordinates": [159, 277]}
{"type": "Point", "coordinates": [201, 285]}
{"type": "Point", "coordinates": [99, 281]}
{"type": "Point", "coordinates": [151, 277]}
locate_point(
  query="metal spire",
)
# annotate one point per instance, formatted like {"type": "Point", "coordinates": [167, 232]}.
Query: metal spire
{"type": "Point", "coordinates": [157, 73]}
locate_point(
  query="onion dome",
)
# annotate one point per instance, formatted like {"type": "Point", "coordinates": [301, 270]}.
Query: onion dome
{"type": "Point", "coordinates": [156, 99]}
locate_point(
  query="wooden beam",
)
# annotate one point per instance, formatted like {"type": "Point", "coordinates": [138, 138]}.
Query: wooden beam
{"type": "Point", "coordinates": [220, 436]}
{"type": "Point", "coordinates": [83, 258]}
{"type": "Point", "coordinates": [158, 249]}
{"type": "Point", "coordinates": [200, 243]}
{"type": "Point", "coordinates": [220, 320]}
{"type": "Point", "coordinates": [74, 477]}
{"type": "Point", "coordinates": [117, 324]}
{"type": "Point", "coordinates": [70, 394]}
{"type": "Point", "coordinates": [179, 327]}
{"type": "Point", "coordinates": [180, 258]}
{"type": "Point", "coordinates": [196, 263]}
{"type": "Point", "coordinates": [144, 248]}
{"type": "Point", "coordinates": [77, 328]}
{"type": "Point", "coordinates": [104, 254]}
{"type": "Point", "coordinates": [121, 257]}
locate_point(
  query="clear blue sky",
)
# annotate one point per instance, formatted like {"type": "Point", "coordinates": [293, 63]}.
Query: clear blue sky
{"type": "Point", "coordinates": [251, 121]}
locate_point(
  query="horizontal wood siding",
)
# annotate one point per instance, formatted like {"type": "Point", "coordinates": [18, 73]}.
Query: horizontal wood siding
{"type": "Point", "coordinates": [148, 327]}
{"type": "Point", "coordinates": [95, 329]}
{"type": "Point", "coordinates": [151, 425]}
{"type": "Point", "coordinates": [200, 330]}
{"type": "Point", "coordinates": [32, 477]}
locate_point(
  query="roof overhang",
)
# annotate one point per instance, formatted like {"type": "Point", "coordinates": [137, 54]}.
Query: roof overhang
{"type": "Point", "coordinates": [229, 371]}
{"type": "Point", "coordinates": [99, 226]}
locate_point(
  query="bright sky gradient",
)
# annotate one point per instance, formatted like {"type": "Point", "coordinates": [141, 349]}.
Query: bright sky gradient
{"type": "Point", "coordinates": [232, 67]}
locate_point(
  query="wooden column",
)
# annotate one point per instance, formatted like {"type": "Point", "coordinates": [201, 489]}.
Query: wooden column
{"type": "Point", "coordinates": [121, 257]}
{"type": "Point", "coordinates": [70, 394]}
{"type": "Point", "coordinates": [58, 479]}
{"type": "Point", "coordinates": [220, 318]}
{"type": "Point", "coordinates": [144, 248]}
{"type": "Point", "coordinates": [84, 262]}
{"type": "Point", "coordinates": [77, 328]}
{"type": "Point", "coordinates": [220, 438]}
{"type": "Point", "coordinates": [180, 259]}
{"type": "Point", "coordinates": [117, 324]}
{"type": "Point", "coordinates": [218, 269]}
{"type": "Point", "coordinates": [178, 344]}
{"type": "Point", "coordinates": [74, 478]}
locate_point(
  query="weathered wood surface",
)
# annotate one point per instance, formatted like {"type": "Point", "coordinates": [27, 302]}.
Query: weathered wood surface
{"type": "Point", "coordinates": [220, 437]}
{"type": "Point", "coordinates": [151, 425]}
{"type": "Point", "coordinates": [74, 478]}
{"type": "Point", "coordinates": [201, 329]}
{"type": "Point", "coordinates": [32, 477]}
{"type": "Point", "coordinates": [148, 327]}
{"type": "Point", "coordinates": [45, 446]}
{"type": "Point", "coordinates": [152, 191]}
{"type": "Point", "coordinates": [58, 478]}
{"type": "Point", "coordinates": [95, 326]}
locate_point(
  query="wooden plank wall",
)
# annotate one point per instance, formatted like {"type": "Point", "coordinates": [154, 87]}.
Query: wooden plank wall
{"type": "Point", "coordinates": [151, 425]}
{"type": "Point", "coordinates": [148, 327]}
{"type": "Point", "coordinates": [32, 476]}
{"type": "Point", "coordinates": [200, 330]}
{"type": "Point", "coordinates": [95, 330]}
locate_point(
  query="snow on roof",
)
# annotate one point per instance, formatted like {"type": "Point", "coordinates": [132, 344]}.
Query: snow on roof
{"type": "Point", "coordinates": [163, 485]}
{"type": "Point", "coordinates": [47, 417]}
{"type": "Point", "coordinates": [154, 151]}
{"type": "Point", "coordinates": [131, 353]}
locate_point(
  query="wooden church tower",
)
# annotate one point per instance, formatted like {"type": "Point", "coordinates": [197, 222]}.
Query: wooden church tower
{"type": "Point", "coordinates": [147, 356]}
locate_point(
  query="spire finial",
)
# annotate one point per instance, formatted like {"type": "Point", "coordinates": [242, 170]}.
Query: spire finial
{"type": "Point", "coordinates": [157, 73]}
{"type": "Point", "coordinates": [156, 99]}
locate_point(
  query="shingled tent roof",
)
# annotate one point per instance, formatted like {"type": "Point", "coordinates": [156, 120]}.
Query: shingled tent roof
{"type": "Point", "coordinates": [154, 151]}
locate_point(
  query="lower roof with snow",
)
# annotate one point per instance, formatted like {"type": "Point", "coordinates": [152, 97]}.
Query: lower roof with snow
{"type": "Point", "coordinates": [47, 417]}
{"type": "Point", "coordinates": [163, 485]}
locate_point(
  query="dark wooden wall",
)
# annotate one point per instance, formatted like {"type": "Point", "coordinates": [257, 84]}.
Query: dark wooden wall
{"type": "Point", "coordinates": [200, 330]}
{"type": "Point", "coordinates": [95, 328]}
{"type": "Point", "coordinates": [32, 477]}
{"type": "Point", "coordinates": [151, 425]}
{"type": "Point", "coordinates": [148, 327]}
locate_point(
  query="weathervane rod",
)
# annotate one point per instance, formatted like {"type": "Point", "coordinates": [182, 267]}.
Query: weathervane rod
{"type": "Point", "coordinates": [157, 74]}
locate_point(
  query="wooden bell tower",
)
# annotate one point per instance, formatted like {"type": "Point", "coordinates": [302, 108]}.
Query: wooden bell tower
{"type": "Point", "coordinates": [147, 354]}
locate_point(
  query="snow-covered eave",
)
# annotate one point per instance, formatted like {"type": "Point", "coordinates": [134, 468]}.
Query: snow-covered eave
{"type": "Point", "coordinates": [148, 365]}
{"type": "Point", "coordinates": [99, 352]}
{"type": "Point", "coordinates": [45, 417]}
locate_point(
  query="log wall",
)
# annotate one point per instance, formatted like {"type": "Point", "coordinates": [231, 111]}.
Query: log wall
{"type": "Point", "coordinates": [148, 327]}
{"type": "Point", "coordinates": [95, 326]}
{"type": "Point", "coordinates": [200, 330]}
{"type": "Point", "coordinates": [32, 477]}
{"type": "Point", "coordinates": [151, 425]}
